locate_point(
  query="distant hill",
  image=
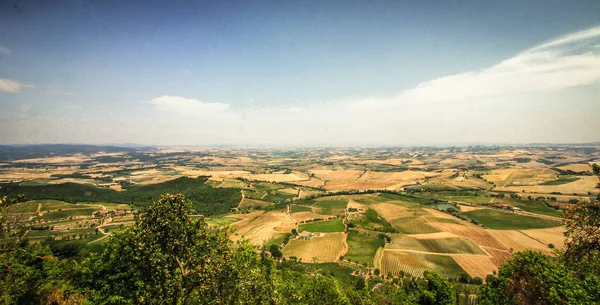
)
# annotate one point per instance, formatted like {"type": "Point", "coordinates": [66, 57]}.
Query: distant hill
{"type": "Point", "coordinates": [16, 152]}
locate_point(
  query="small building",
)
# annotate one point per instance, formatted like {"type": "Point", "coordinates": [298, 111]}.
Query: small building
{"type": "Point", "coordinates": [306, 235]}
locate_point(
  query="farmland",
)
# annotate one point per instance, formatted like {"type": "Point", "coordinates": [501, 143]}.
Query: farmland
{"type": "Point", "coordinates": [416, 263]}
{"type": "Point", "coordinates": [506, 220]}
{"type": "Point", "coordinates": [323, 226]}
{"type": "Point", "coordinates": [327, 248]}
{"type": "Point", "coordinates": [453, 210]}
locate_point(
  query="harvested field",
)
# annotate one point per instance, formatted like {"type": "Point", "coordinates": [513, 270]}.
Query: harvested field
{"type": "Point", "coordinates": [476, 266]}
{"type": "Point", "coordinates": [304, 216]}
{"type": "Point", "coordinates": [477, 234]}
{"type": "Point", "coordinates": [327, 248]}
{"type": "Point", "coordinates": [579, 167]}
{"type": "Point", "coordinates": [581, 186]}
{"type": "Point", "coordinates": [518, 241]}
{"type": "Point", "coordinates": [416, 263]}
{"type": "Point", "coordinates": [391, 211]}
{"type": "Point", "coordinates": [497, 256]}
{"type": "Point", "coordinates": [259, 229]}
{"type": "Point", "coordinates": [548, 236]}
{"type": "Point", "coordinates": [434, 235]}
{"type": "Point", "coordinates": [413, 225]}
{"type": "Point", "coordinates": [468, 208]}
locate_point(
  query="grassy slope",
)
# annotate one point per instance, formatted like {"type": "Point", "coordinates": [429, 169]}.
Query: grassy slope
{"type": "Point", "coordinates": [362, 247]}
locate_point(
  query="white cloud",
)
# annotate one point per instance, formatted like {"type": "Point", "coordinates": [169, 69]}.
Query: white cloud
{"type": "Point", "coordinates": [4, 50]}
{"type": "Point", "coordinates": [8, 85]}
{"type": "Point", "coordinates": [187, 106]}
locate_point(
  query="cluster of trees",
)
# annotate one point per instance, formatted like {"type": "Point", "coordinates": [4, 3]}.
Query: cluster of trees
{"type": "Point", "coordinates": [206, 199]}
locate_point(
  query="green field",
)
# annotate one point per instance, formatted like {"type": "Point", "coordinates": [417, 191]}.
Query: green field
{"type": "Point", "coordinates": [323, 226]}
{"type": "Point", "coordinates": [362, 247]}
{"type": "Point", "coordinates": [499, 220]}
{"type": "Point", "coordinates": [277, 239]}
{"type": "Point", "coordinates": [331, 207]}
{"type": "Point", "coordinates": [300, 208]}
{"type": "Point", "coordinates": [23, 207]}
{"type": "Point", "coordinates": [537, 207]}
{"type": "Point", "coordinates": [221, 221]}
{"type": "Point", "coordinates": [412, 225]}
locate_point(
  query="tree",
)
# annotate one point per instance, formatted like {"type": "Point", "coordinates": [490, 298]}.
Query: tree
{"type": "Point", "coordinates": [438, 290]}
{"type": "Point", "coordinates": [275, 252]}
{"type": "Point", "coordinates": [165, 257]}
{"type": "Point", "coordinates": [533, 278]}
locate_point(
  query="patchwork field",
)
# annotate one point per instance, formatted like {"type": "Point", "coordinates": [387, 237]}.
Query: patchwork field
{"type": "Point", "coordinates": [327, 248]}
{"type": "Point", "coordinates": [434, 198]}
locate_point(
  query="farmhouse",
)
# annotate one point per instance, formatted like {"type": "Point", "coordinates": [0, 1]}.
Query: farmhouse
{"type": "Point", "coordinates": [305, 235]}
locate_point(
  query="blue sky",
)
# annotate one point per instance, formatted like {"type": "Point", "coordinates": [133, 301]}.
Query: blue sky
{"type": "Point", "coordinates": [299, 72]}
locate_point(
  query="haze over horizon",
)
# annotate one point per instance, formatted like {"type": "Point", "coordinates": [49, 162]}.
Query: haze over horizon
{"type": "Point", "coordinates": [330, 73]}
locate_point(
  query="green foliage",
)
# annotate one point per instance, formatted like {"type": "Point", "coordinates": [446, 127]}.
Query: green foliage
{"type": "Point", "coordinates": [275, 252]}
{"type": "Point", "coordinates": [438, 291]}
{"type": "Point", "coordinates": [533, 278]}
{"type": "Point", "coordinates": [205, 199]}
{"type": "Point", "coordinates": [372, 221]}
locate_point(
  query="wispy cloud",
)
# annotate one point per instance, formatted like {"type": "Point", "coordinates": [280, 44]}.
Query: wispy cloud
{"type": "Point", "coordinates": [4, 50]}
{"type": "Point", "coordinates": [8, 85]}
{"type": "Point", "coordinates": [569, 61]}
{"type": "Point", "coordinates": [187, 106]}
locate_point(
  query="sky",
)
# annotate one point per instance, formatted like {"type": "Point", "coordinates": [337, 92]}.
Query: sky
{"type": "Point", "coordinates": [299, 73]}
